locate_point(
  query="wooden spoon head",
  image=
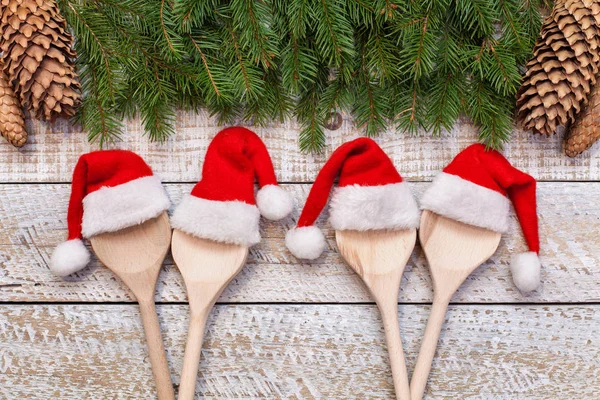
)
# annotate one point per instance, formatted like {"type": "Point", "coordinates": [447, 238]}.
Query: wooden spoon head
{"type": "Point", "coordinates": [454, 250]}
{"type": "Point", "coordinates": [135, 254]}
{"type": "Point", "coordinates": [207, 266]}
{"type": "Point", "coordinates": [378, 257]}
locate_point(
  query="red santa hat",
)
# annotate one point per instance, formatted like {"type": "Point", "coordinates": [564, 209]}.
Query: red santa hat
{"type": "Point", "coordinates": [111, 190]}
{"type": "Point", "coordinates": [370, 196]}
{"type": "Point", "coordinates": [473, 189]}
{"type": "Point", "coordinates": [222, 206]}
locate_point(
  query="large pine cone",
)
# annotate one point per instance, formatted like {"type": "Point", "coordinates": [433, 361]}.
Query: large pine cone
{"type": "Point", "coordinates": [562, 71]}
{"type": "Point", "coordinates": [38, 57]}
{"type": "Point", "coordinates": [12, 121]}
{"type": "Point", "coordinates": [586, 130]}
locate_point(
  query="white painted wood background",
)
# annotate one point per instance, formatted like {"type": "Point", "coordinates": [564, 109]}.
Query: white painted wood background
{"type": "Point", "coordinates": [291, 330]}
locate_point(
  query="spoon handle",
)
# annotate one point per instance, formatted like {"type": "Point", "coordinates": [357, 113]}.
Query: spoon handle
{"type": "Point", "coordinates": [191, 358]}
{"type": "Point", "coordinates": [389, 315]}
{"type": "Point", "coordinates": [428, 346]}
{"type": "Point", "coordinates": [156, 349]}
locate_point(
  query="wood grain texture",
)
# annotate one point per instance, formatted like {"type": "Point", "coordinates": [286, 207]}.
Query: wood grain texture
{"type": "Point", "coordinates": [33, 222]}
{"type": "Point", "coordinates": [53, 149]}
{"type": "Point", "coordinates": [301, 352]}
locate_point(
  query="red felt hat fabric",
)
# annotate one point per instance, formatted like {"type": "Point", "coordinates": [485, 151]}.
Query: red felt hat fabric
{"type": "Point", "coordinates": [110, 190]}
{"type": "Point", "coordinates": [475, 188]}
{"type": "Point", "coordinates": [370, 195]}
{"type": "Point", "coordinates": [222, 205]}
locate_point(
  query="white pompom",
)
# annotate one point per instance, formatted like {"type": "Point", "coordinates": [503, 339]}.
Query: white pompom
{"type": "Point", "coordinates": [306, 242]}
{"type": "Point", "coordinates": [273, 202]}
{"type": "Point", "coordinates": [526, 269]}
{"type": "Point", "coordinates": [68, 257]}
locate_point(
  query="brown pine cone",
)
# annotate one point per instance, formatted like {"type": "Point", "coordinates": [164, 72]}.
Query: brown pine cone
{"type": "Point", "coordinates": [38, 57]}
{"type": "Point", "coordinates": [562, 71]}
{"type": "Point", "coordinates": [586, 129]}
{"type": "Point", "coordinates": [12, 121]}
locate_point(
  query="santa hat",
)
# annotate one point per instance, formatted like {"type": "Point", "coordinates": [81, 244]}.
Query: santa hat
{"type": "Point", "coordinates": [473, 189]}
{"type": "Point", "coordinates": [111, 190]}
{"type": "Point", "coordinates": [222, 206]}
{"type": "Point", "coordinates": [370, 196]}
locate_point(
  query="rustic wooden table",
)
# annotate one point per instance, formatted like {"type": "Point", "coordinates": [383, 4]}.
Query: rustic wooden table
{"type": "Point", "coordinates": [291, 329]}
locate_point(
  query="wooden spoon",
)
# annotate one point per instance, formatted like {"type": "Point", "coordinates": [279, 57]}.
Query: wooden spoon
{"type": "Point", "coordinates": [135, 255]}
{"type": "Point", "coordinates": [379, 258]}
{"type": "Point", "coordinates": [453, 250]}
{"type": "Point", "coordinates": [207, 268]}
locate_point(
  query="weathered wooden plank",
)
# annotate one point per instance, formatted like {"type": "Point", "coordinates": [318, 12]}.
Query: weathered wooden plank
{"type": "Point", "coordinates": [301, 352]}
{"type": "Point", "coordinates": [53, 150]}
{"type": "Point", "coordinates": [32, 222]}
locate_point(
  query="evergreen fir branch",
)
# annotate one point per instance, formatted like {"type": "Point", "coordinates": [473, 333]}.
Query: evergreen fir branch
{"type": "Point", "coordinates": [446, 104]}
{"type": "Point", "coordinates": [273, 105]}
{"type": "Point", "coordinates": [477, 16]}
{"type": "Point", "coordinates": [244, 76]}
{"type": "Point", "coordinates": [212, 76]}
{"type": "Point", "coordinates": [511, 24]}
{"type": "Point", "coordinates": [370, 108]}
{"type": "Point", "coordinates": [158, 119]}
{"type": "Point", "coordinates": [492, 116]}
{"type": "Point", "coordinates": [191, 14]}
{"type": "Point", "coordinates": [312, 136]}
{"type": "Point", "coordinates": [371, 102]}
{"type": "Point", "coordinates": [252, 22]}
{"type": "Point", "coordinates": [95, 41]}
{"type": "Point", "coordinates": [382, 55]}
{"type": "Point", "coordinates": [153, 97]}
{"type": "Point", "coordinates": [336, 96]}
{"type": "Point", "coordinates": [419, 49]}
{"type": "Point", "coordinates": [419, 64]}
{"type": "Point", "coordinates": [166, 24]}
{"type": "Point", "coordinates": [299, 63]}
{"type": "Point", "coordinates": [410, 116]}
{"type": "Point", "coordinates": [95, 114]}
{"type": "Point", "coordinates": [333, 34]}
{"type": "Point", "coordinates": [530, 19]}
{"type": "Point", "coordinates": [492, 62]}
{"type": "Point", "coordinates": [309, 112]}
{"type": "Point", "coordinates": [361, 12]}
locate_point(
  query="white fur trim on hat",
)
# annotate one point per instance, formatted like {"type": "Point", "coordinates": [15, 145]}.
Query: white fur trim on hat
{"type": "Point", "coordinates": [110, 209]}
{"type": "Point", "coordinates": [525, 269]}
{"type": "Point", "coordinates": [223, 221]}
{"type": "Point", "coordinates": [454, 197]}
{"type": "Point", "coordinates": [364, 208]}
{"type": "Point", "coordinates": [306, 242]}
{"type": "Point", "coordinates": [273, 202]}
{"type": "Point", "coordinates": [68, 257]}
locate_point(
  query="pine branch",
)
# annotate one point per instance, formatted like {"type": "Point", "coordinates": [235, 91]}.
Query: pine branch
{"type": "Point", "coordinates": [414, 64]}
{"type": "Point", "coordinates": [191, 14]}
{"type": "Point", "coordinates": [371, 101]}
{"type": "Point", "coordinates": [252, 21]}
{"type": "Point", "coordinates": [333, 35]}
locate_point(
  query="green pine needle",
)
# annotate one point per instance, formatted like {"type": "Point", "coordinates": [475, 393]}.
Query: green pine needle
{"type": "Point", "coordinates": [413, 65]}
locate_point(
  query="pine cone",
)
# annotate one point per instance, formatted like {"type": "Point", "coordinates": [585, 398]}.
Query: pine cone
{"type": "Point", "coordinates": [12, 121]}
{"type": "Point", "coordinates": [38, 57]}
{"type": "Point", "coordinates": [586, 130]}
{"type": "Point", "coordinates": [562, 71]}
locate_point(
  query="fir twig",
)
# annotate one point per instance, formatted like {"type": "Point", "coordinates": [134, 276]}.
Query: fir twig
{"type": "Point", "coordinates": [416, 64]}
